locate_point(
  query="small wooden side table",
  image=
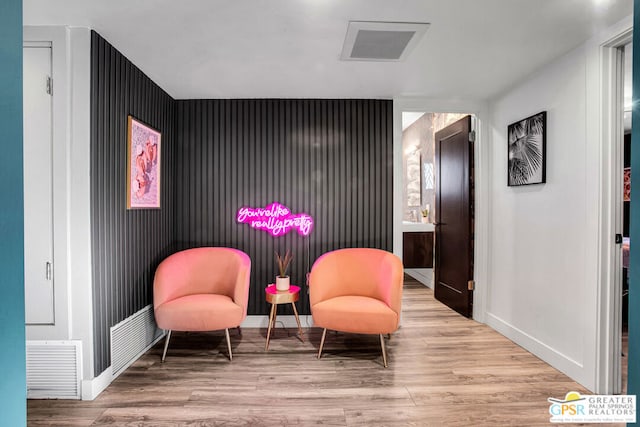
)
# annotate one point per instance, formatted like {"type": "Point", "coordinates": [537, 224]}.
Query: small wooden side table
{"type": "Point", "coordinates": [275, 297]}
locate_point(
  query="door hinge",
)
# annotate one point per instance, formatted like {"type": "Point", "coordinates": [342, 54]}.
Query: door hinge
{"type": "Point", "coordinates": [472, 136]}
{"type": "Point", "coordinates": [471, 285]}
{"type": "Point", "coordinates": [49, 85]}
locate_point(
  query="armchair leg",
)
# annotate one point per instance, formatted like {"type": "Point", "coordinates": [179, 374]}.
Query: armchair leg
{"type": "Point", "coordinates": [324, 334]}
{"type": "Point", "coordinates": [226, 332]}
{"type": "Point", "coordinates": [239, 330]}
{"type": "Point", "coordinates": [166, 345]}
{"type": "Point", "coordinates": [384, 350]}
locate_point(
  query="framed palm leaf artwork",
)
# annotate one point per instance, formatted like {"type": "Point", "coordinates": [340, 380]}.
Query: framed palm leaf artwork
{"type": "Point", "coordinates": [527, 143]}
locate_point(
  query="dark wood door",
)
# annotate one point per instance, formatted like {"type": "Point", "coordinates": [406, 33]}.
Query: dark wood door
{"type": "Point", "coordinates": [454, 216]}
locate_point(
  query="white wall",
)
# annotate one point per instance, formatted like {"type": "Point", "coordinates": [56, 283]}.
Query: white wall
{"type": "Point", "coordinates": [58, 38]}
{"type": "Point", "coordinates": [80, 282]}
{"type": "Point", "coordinates": [71, 157]}
{"type": "Point", "coordinates": [544, 239]}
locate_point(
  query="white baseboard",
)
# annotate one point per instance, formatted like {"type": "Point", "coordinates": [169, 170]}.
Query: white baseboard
{"type": "Point", "coordinates": [556, 359]}
{"type": "Point", "coordinates": [93, 387]}
{"type": "Point", "coordinates": [287, 321]}
{"type": "Point", "coordinates": [422, 275]}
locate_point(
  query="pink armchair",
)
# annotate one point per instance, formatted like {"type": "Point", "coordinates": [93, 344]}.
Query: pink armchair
{"type": "Point", "coordinates": [202, 289]}
{"type": "Point", "coordinates": [357, 290]}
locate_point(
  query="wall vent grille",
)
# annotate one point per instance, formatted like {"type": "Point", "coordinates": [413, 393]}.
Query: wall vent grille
{"type": "Point", "coordinates": [53, 369]}
{"type": "Point", "coordinates": [131, 337]}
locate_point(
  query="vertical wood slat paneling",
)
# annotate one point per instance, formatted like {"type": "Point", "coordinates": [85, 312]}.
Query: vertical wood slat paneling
{"type": "Point", "coordinates": [329, 158]}
{"type": "Point", "coordinates": [127, 245]}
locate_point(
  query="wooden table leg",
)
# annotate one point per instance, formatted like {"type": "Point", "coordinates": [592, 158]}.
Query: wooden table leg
{"type": "Point", "coordinates": [271, 321]}
{"type": "Point", "coordinates": [295, 311]}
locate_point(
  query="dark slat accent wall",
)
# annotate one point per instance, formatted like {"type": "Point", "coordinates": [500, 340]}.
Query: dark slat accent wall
{"type": "Point", "coordinates": [127, 245]}
{"type": "Point", "coordinates": [329, 158]}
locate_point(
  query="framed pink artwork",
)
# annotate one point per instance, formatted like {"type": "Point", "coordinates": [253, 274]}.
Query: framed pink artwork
{"type": "Point", "coordinates": [627, 185]}
{"type": "Point", "coordinates": [143, 165]}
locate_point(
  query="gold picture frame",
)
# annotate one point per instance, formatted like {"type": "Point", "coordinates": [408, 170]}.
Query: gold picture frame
{"type": "Point", "coordinates": [143, 165]}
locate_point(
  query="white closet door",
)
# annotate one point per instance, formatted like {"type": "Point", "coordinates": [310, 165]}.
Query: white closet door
{"type": "Point", "coordinates": [38, 189]}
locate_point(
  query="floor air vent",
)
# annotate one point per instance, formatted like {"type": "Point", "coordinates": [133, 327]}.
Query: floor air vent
{"type": "Point", "coordinates": [131, 337]}
{"type": "Point", "coordinates": [53, 369]}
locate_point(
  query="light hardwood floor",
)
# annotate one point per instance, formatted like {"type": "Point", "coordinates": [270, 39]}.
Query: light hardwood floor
{"type": "Point", "coordinates": [444, 370]}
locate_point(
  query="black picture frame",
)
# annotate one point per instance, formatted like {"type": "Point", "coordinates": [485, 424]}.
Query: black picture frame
{"type": "Point", "coordinates": [527, 151]}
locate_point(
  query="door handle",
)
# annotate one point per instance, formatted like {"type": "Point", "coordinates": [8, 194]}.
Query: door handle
{"type": "Point", "coordinates": [48, 270]}
{"type": "Point", "coordinates": [439, 223]}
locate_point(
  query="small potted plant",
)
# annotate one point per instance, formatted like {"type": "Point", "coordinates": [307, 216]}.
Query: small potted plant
{"type": "Point", "coordinates": [282, 280]}
{"type": "Point", "coordinates": [425, 214]}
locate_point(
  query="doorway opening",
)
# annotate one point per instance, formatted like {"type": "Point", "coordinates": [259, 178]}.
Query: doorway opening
{"type": "Point", "coordinates": [616, 98]}
{"type": "Point", "coordinates": [428, 156]}
{"type": "Point", "coordinates": [627, 61]}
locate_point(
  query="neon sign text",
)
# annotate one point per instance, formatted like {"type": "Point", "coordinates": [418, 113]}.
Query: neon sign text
{"type": "Point", "coordinates": [275, 219]}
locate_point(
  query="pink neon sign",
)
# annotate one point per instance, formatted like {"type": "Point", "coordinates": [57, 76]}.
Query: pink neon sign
{"type": "Point", "coordinates": [275, 219]}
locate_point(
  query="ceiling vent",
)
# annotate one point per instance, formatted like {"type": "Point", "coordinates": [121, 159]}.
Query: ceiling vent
{"type": "Point", "coordinates": [381, 41]}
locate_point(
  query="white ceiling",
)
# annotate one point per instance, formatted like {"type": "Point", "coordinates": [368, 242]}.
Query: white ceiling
{"type": "Point", "coordinates": [291, 48]}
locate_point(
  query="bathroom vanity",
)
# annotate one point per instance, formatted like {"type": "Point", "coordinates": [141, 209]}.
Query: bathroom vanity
{"type": "Point", "coordinates": [417, 245]}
